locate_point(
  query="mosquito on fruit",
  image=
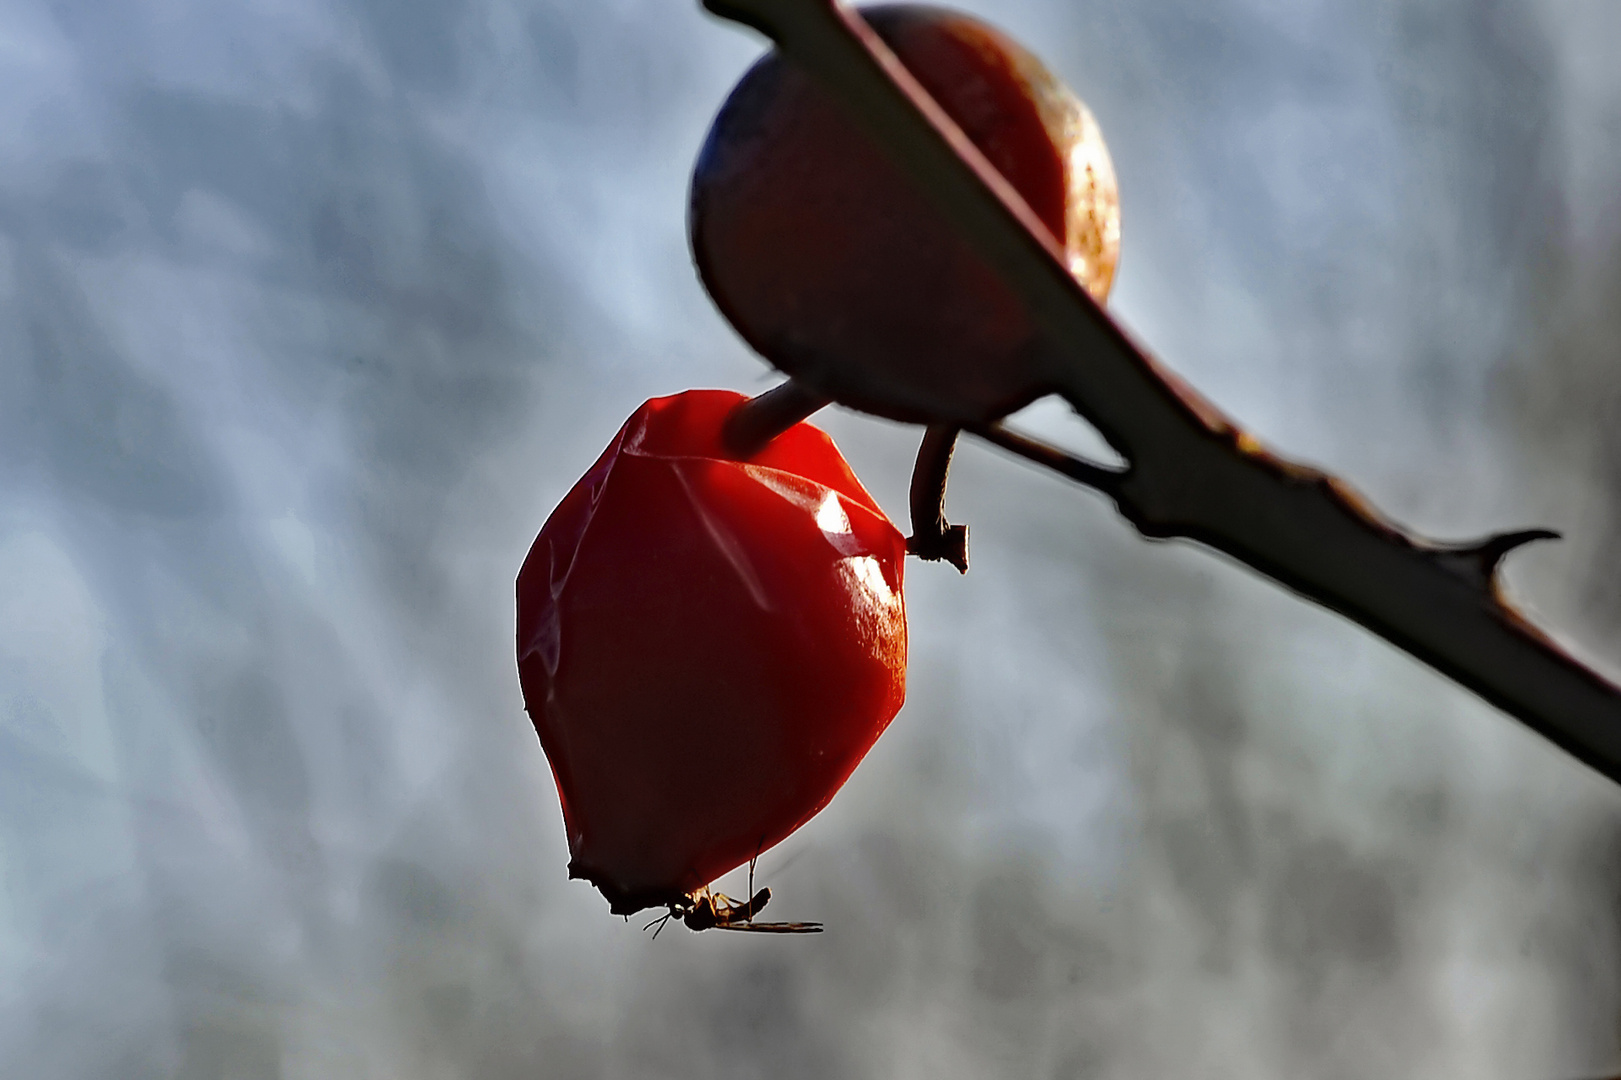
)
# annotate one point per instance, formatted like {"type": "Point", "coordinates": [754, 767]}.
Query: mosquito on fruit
{"type": "Point", "coordinates": [706, 910]}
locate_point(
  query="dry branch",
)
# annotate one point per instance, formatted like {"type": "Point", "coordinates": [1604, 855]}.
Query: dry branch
{"type": "Point", "coordinates": [1191, 471]}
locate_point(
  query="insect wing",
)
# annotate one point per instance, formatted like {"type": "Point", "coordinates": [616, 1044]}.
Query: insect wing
{"type": "Point", "coordinates": [773, 927]}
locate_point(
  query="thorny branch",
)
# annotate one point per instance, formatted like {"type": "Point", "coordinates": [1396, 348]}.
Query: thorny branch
{"type": "Point", "coordinates": [1191, 472]}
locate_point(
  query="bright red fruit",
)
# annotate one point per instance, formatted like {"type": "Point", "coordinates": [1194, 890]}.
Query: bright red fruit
{"type": "Point", "coordinates": [707, 646]}
{"type": "Point", "coordinates": [831, 263]}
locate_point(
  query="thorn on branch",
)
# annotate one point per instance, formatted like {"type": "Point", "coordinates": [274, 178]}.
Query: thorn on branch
{"type": "Point", "coordinates": [1478, 562]}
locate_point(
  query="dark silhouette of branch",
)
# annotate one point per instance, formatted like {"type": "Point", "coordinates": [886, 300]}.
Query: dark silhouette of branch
{"type": "Point", "coordinates": [1191, 471]}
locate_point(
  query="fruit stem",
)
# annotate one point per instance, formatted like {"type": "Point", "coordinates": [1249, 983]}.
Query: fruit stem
{"type": "Point", "coordinates": [757, 421]}
{"type": "Point", "coordinates": [932, 539]}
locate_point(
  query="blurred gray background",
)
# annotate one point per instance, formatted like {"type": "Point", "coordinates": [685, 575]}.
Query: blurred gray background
{"type": "Point", "coordinates": [310, 311]}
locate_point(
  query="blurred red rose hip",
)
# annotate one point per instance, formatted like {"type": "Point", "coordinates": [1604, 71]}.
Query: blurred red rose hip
{"type": "Point", "coordinates": [832, 265]}
{"type": "Point", "coordinates": [707, 647]}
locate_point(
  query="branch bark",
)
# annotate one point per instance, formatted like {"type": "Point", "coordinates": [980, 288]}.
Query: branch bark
{"type": "Point", "coordinates": [1192, 472]}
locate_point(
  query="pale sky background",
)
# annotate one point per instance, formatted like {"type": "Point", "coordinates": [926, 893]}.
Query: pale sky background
{"type": "Point", "coordinates": [311, 310]}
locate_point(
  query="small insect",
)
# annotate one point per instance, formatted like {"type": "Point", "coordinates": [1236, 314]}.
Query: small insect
{"type": "Point", "coordinates": [705, 910]}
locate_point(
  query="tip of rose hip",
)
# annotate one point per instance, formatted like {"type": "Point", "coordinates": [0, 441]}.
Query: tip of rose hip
{"type": "Point", "coordinates": [623, 901]}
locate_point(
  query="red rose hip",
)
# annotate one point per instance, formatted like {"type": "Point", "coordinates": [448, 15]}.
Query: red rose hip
{"type": "Point", "coordinates": [707, 647]}
{"type": "Point", "coordinates": [833, 266]}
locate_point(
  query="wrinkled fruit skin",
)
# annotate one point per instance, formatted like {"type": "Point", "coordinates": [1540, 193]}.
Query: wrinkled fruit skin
{"type": "Point", "coordinates": [707, 647]}
{"type": "Point", "coordinates": [836, 269]}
